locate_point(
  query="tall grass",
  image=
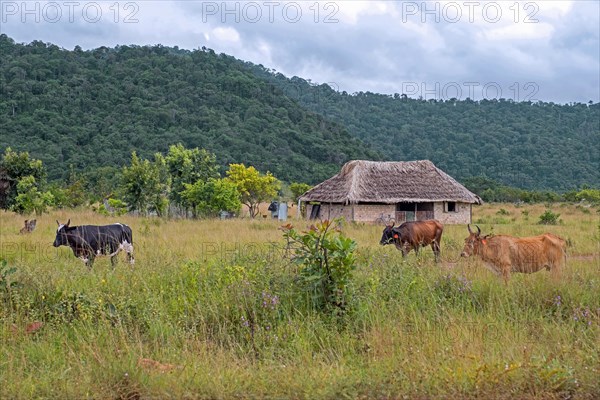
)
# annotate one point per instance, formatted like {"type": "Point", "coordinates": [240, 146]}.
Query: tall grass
{"type": "Point", "coordinates": [212, 309]}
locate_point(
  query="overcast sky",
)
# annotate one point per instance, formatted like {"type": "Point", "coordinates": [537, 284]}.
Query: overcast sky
{"type": "Point", "coordinates": [536, 50]}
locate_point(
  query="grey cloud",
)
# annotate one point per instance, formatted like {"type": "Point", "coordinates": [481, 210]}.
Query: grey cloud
{"type": "Point", "coordinates": [379, 53]}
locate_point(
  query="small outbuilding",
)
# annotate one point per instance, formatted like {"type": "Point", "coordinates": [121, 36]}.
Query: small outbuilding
{"type": "Point", "coordinates": [373, 191]}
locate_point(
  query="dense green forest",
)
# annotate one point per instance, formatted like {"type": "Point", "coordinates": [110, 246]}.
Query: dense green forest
{"type": "Point", "coordinates": [522, 144]}
{"type": "Point", "coordinates": [90, 109]}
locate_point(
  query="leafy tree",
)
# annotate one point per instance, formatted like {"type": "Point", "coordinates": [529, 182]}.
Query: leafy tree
{"type": "Point", "coordinates": [161, 186]}
{"type": "Point", "coordinates": [115, 207]}
{"type": "Point", "coordinates": [298, 189]}
{"type": "Point", "coordinates": [59, 195]}
{"type": "Point", "coordinates": [254, 187]}
{"type": "Point", "coordinates": [18, 166]}
{"type": "Point", "coordinates": [590, 195]}
{"type": "Point", "coordinates": [188, 166]}
{"type": "Point", "coordinates": [146, 184]}
{"type": "Point", "coordinates": [101, 183]}
{"type": "Point", "coordinates": [75, 192]}
{"type": "Point", "coordinates": [30, 199]}
{"type": "Point", "coordinates": [210, 197]}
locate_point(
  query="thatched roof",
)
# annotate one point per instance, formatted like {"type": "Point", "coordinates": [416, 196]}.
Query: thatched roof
{"type": "Point", "coordinates": [390, 182]}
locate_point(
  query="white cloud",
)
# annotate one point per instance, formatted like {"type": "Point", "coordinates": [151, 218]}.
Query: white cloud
{"type": "Point", "coordinates": [226, 34]}
{"type": "Point", "coordinates": [352, 12]}
{"type": "Point", "coordinates": [519, 32]}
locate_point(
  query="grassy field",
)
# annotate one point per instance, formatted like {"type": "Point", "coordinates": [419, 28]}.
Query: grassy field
{"type": "Point", "coordinates": [211, 310]}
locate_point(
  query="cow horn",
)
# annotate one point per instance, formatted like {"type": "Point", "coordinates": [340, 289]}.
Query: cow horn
{"type": "Point", "coordinates": [478, 230]}
{"type": "Point", "coordinates": [57, 223]}
{"type": "Point", "coordinates": [68, 222]}
{"type": "Point", "coordinates": [469, 228]}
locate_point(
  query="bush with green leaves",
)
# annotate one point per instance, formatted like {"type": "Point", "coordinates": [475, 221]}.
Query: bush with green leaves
{"type": "Point", "coordinates": [326, 260]}
{"type": "Point", "coordinates": [298, 189]}
{"type": "Point", "coordinates": [254, 186]}
{"type": "Point", "coordinates": [115, 207]}
{"type": "Point", "coordinates": [210, 197]}
{"type": "Point", "coordinates": [549, 218]}
{"type": "Point", "coordinates": [590, 195]}
{"type": "Point", "coordinates": [19, 165]}
{"type": "Point", "coordinates": [146, 184]}
{"type": "Point", "coordinates": [30, 199]}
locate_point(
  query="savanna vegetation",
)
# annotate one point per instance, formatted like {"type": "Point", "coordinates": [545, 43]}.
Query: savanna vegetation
{"type": "Point", "coordinates": [222, 309]}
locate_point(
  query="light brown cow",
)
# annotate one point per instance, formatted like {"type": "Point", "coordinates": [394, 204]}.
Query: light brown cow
{"type": "Point", "coordinates": [504, 254]}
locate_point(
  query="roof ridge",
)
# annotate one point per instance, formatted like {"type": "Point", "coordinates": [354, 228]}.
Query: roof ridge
{"type": "Point", "coordinates": [354, 180]}
{"type": "Point", "coordinates": [390, 182]}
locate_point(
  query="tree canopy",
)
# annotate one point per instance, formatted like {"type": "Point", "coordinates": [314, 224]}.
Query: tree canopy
{"type": "Point", "coordinates": [254, 187]}
{"type": "Point", "coordinates": [91, 109]}
{"type": "Point", "coordinates": [528, 145]}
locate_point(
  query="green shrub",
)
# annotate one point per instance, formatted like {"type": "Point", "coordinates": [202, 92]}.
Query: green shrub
{"type": "Point", "coordinates": [30, 199]}
{"type": "Point", "coordinates": [549, 218]}
{"type": "Point", "coordinates": [326, 259]}
{"type": "Point", "coordinates": [117, 207]}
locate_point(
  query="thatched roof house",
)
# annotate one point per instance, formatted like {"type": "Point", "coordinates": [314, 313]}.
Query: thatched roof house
{"type": "Point", "coordinates": [411, 190]}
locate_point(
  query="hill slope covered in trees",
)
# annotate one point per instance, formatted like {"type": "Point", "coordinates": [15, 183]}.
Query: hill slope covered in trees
{"type": "Point", "coordinates": [528, 145]}
{"type": "Point", "coordinates": [93, 108]}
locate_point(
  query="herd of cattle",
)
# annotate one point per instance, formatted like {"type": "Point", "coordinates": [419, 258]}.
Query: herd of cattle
{"type": "Point", "coordinates": [502, 254]}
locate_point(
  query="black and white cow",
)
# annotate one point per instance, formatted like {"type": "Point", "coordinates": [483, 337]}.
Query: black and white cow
{"type": "Point", "coordinates": [89, 241]}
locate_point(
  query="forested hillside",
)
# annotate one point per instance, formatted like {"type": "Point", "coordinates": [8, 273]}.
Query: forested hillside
{"type": "Point", "coordinates": [93, 108]}
{"type": "Point", "coordinates": [522, 144]}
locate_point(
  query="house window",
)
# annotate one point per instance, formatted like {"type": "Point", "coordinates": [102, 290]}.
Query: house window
{"type": "Point", "coordinates": [450, 206]}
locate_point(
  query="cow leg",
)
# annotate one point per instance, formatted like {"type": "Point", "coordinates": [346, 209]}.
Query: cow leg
{"type": "Point", "coordinates": [128, 247]}
{"type": "Point", "coordinates": [405, 249]}
{"type": "Point", "coordinates": [89, 261]}
{"type": "Point", "coordinates": [435, 246]}
{"type": "Point", "coordinates": [506, 273]}
{"type": "Point", "coordinates": [113, 260]}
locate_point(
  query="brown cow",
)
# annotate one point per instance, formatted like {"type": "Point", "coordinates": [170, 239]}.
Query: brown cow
{"type": "Point", "coordinates": [503, 254]}
{"type": "Point", "coordinates": [413, 235]}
